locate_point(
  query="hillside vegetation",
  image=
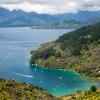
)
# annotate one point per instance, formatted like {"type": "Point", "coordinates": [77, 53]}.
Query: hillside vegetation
{"type": "Point", "coordinates": [11, 90]}
{"type": "Point", "coordinates": [78, 50]}
{"type": "Point", "coordinates": [89, 95]}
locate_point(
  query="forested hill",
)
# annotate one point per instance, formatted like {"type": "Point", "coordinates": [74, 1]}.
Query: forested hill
{"type": "Point", "coordinates": [80, 38]}
{"type": "Point", "coordinates": [78, 50]}
{"type": "Point", "coordinates": [89, 30]}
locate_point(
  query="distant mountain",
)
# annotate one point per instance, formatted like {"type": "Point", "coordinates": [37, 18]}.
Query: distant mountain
{"type": "Point", "coordinates": [79, 16]}
{"type": "Point", "coordinates": [70, 20]}
{"type": "Point", "coordinates": [21, 18]}
{"type": "Point", "coordinates": [62, 25]}
{"type": "Point", "coordinates": [79, 19]}
{"type": "Point", "coordinates": [92, 20]}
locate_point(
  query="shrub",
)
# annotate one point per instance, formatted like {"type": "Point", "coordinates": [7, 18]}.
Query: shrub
{"type": "Point", "coordinates": [93, 89]}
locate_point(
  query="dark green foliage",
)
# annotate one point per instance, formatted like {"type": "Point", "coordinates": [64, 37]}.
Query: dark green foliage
{"type": "Point", "coordinates": [58, 54]}
{"type": "Point", "coordinates": [80, 38]}
{"type": "Point", "coordinates": [93, 88]}
{"type": "Point", "coordinates": [42, 54]}
{"type": "Point", "coordinates": [48, 52]}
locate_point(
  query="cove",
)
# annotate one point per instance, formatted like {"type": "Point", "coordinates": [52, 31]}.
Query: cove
{"type": "Point", "coordinates": [60, 82]}
{"type": "Point", "coordinates": [15, 46]}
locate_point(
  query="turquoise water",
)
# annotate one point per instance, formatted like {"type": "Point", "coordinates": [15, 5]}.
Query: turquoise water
{"type": "Point", "coordinates": [15, 47]}
{"type": "Point", "coordinates": [60, 82]}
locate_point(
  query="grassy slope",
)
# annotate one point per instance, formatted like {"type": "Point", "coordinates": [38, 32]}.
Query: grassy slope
{"type": "Point", "coordinates": [78, 50]}
{"type": "Point", "coordinates": [11, 90]}
{"type": "Point", "coordinates": [84, 96]}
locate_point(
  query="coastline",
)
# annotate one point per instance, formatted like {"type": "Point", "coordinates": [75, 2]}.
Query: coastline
{"type": "Point", "coordinates": [11, 87]}
{"type": "Point", "coordinates": [67, 52]}
{"type": "Point", "coordinates": [19, 90]}
{"type": "Point", "coordinates": [35, 28]}
{"type": "Point", "coordinates": [94, 79]}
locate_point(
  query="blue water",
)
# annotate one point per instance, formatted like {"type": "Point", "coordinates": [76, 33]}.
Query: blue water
{"type": "Point", "coordinates": [15, 47]}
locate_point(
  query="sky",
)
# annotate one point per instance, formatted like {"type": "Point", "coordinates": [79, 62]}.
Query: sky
{"type": "Point", "coordinates": [52, 6]}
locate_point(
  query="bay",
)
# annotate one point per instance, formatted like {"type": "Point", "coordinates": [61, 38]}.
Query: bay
{"type": "Point", "coordinates": [15, 46]}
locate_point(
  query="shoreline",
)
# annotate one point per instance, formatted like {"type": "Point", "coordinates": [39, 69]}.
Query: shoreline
{"type": "Point", "coordinates": [39, 92]}
{"type": "Point", "coordinates": [44, 90]}
{"type": "Point", "coordinates": [18, 90]}
{"type": "Point", "coordinates": [36, 28]}
{"type": "Point", "coordinates": [64, 69]}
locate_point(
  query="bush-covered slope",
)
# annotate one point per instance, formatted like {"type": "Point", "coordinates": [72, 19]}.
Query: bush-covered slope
{"type": "Point", "coordinates": [11, 90]}
{"type": "Point", "coordinates": [88, 95]}
{"type": "Point", "coordinates": [78, 50]}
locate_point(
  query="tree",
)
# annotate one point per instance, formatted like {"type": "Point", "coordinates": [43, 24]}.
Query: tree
{"type": "Point", "coordinates": [93, 88]}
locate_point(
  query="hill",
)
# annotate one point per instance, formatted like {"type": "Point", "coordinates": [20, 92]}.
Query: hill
{"type": "Point", "coordinates": [11, 90]}
{"type": "Point", "coordinates": [88, 95]}
{"type": "Point", "coordinates": [78, 50]}
{"type": "Point", "coordinates": [63, 24]}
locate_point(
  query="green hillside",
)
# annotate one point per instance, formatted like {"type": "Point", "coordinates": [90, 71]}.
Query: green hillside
{"type": "Point", "coordinates": [88, 95]}
{"type": "Point", "coordinates": [11, 90]}
{"type": "Point", "coordinates": [78, 50]}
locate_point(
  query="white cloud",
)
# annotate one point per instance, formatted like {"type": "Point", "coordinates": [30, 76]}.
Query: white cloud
{"type": "Point", "coordinates": [51, 6]}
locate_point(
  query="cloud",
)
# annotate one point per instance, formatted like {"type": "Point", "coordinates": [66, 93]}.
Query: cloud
{"type": "Point", "coordinates": [52, 6]}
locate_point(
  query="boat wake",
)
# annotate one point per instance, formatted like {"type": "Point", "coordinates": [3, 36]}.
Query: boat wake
{"type": "Point", "coordinates": [29, 76]}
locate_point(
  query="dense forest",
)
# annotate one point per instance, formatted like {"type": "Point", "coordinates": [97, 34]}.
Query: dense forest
{"type": "Point", "coordinates": [79, 39]}
{"type": "Point", "coordinates": [78, 50]}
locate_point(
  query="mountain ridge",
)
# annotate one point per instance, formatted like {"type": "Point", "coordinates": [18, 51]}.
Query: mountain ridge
{"type": "Point", "coordinates": [20, 18]}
